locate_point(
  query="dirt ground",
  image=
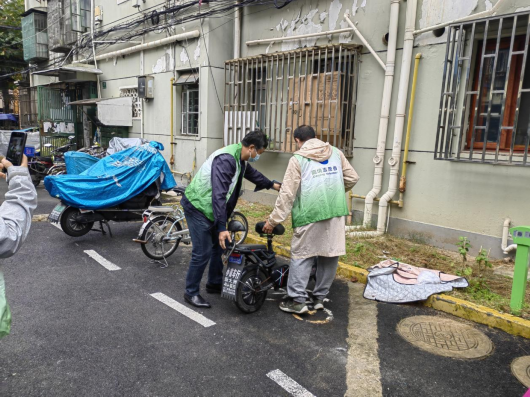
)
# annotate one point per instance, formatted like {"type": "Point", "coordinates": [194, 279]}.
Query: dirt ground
{"type": "Point", "coordinates": [485, 287]}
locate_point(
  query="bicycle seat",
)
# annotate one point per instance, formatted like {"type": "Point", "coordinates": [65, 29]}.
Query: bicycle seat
{"type": "Point", "coordinates": [160, 208]}
{"type": "Point", "coordinates": [251, 247]}
{"type": "Point", "coordinates": [277, 231]}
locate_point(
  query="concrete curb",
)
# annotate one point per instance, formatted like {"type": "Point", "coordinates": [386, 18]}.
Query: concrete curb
{"type": "Point", "coordinates": [445, 303]}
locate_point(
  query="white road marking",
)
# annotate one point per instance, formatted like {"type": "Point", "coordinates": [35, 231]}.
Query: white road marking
{"type": "Point", "coordinates": [102, 261]}
{"type": "Point", "coordinates": [179, 307]}
{"type": "Point", "coordinates": [57, 226]}
{"type": "Point", "coordinates": [288, 384]}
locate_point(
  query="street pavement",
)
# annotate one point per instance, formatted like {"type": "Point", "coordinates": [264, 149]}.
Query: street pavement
{"type": "Point", "coordinates": [80, 329]}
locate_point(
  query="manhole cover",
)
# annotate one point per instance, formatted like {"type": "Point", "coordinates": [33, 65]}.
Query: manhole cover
{"type": "Point", "coordinates": [521, 369]}
{"type": "Point", "coordinates": [445, 337]}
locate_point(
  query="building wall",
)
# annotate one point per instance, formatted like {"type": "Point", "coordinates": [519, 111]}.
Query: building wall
{"type": "Point", "coordinates": [443, 199]}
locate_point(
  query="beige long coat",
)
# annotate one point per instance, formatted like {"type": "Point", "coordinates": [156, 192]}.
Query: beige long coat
{"type": "Point", "coordinates": [324, 238]}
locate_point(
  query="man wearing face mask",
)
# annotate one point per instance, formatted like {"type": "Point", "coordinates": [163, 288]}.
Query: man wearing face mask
{"type": "Point", "coordinates": [313, 188]}
{"type": "Point", "coordinates": [208, 202]}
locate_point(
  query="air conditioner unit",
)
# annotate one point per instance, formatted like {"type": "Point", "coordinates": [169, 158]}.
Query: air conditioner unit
{"type": "Point", "coordinates": [146, 87]}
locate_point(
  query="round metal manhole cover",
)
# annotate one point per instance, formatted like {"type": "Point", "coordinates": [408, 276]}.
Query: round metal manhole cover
{"type": "Point", "coordinates": [445, 337]}
{"type": "Point", "coordinates": [521, 370]}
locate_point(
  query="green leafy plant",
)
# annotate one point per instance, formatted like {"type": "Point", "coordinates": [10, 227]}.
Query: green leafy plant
{"type": "Point", "coordinates": [463, 247]}
{"type": "Point", "coordinates": [483, 261]}
{"type": "Point", "coordinates": [359, 248]}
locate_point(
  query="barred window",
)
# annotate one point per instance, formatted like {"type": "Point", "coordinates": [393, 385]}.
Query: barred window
{"type": "Point", "coordinates": [136, 102]}
{"type": "Point", "coordinates": [486, 92]}
{"type": "Point", "coordinates": [190, 109]}
{"type": "Point", "coordinates": [281, 91]}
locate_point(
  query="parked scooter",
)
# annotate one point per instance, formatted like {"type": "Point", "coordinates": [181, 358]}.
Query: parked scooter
{"type": "Point", "coordinates": [39, 168]}
{"type": "Point", "coordinates": [59, 166]}
{"type": "Point", "coordinates": [76, 222]}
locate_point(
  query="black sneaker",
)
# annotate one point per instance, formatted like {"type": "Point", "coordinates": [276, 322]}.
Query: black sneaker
{"type": "Point", "coordinates": [291, 306]}
{"type": "Point", "coordinates": [214, 288]}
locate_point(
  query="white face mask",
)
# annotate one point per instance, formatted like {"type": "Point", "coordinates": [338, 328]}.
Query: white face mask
{"type": "Point", "coordinates": [253, 159]}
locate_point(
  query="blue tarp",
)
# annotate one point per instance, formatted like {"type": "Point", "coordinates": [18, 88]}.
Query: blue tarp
{"type": "Point", "coordinates": [78, 162]}
{"type": "Point", "coordinates": [8, 116]}
{"type": "Point", "coordinates": [113, 179]}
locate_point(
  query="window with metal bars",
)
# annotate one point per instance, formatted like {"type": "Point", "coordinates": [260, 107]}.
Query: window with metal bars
{"type": "Point", "coordinates": [281, 91]}
{"type": "Point", "coordinates": [190, 109]}
{"type": "Point", "coordinates": [484, 112]}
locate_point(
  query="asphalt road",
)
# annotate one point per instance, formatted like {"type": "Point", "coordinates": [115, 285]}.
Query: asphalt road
{"type": "Point", "coordinates": [80, 329]}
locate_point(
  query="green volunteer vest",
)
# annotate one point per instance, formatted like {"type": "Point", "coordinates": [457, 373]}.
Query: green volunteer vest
{"type": "Point", "coordinates": [5, 313]}
{"type": "Point", "coordinates": [321, 194]}
{"type": "Point", "coordinates": [199, 191]}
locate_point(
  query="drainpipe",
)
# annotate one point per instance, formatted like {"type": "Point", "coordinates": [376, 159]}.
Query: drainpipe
{"type": "Point", "coordinates": [172, 158]}
{"type": "Point", "coordinates": [400, 114]}
{"type": "Point", "coordinates": [92, 11]}
{"type": "Point", "coordinates": [385, 113]}
{"type": "Point", "coordinates": [237, 32]}
{"type": "Point", "coordinates": [505, 232]}
{"type": "Point", "coordinates": [142, 101]}
{"type": "Point", "coordinates": [403, 180]}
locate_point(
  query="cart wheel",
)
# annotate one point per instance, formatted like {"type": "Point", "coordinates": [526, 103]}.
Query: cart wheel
{"type": "Point", "coordinates": [155, 231]}
{"type": "Point", "coordinates": [247, 300]}
{"type": "Point", "coordinates": [71, 226]}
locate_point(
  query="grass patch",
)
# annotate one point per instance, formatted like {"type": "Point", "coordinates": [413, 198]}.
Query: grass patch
{"type": "Point", "coordinates": [485, 288]}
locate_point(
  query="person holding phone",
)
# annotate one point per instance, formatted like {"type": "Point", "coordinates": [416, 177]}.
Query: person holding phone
{"type": "Point", "coordinates": [15, 221]}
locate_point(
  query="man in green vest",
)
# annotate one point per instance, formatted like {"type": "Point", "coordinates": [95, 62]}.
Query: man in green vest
{"type": "Point", "coordinates": [209, 201]}
{"type": "Point", "coordinates": [313, 189]}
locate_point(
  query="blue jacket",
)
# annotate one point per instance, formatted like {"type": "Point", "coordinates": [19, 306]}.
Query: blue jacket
{"type": "Point", "coordinates": [223, 170]}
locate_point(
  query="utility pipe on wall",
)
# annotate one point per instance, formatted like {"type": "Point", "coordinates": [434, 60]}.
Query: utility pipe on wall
{"type": "Point", "coordinates": [172, 158]}
{"type": "Point", "coordinates": [361, 37]}
{"type": "Point", "coordinates": [401, 105]}
{"type": "Point", "coordinates": [157, 43]}
{"type": "Point", "coordinates": [379, 158]}
{"type": "Point", "coordinates": [505, 232]}
{"type": "Point", "coordinates": [300, 36]}
{"type": "Point", "coordinates": [237, 32]}
{"type": "Point", "coordinates": [403, 181]}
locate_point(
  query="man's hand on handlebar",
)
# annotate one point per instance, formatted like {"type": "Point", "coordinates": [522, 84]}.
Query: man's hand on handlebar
{"type": "Point", "coordinates": [267, 229]}
{"type": "Point", "coordinates": [223, 236]}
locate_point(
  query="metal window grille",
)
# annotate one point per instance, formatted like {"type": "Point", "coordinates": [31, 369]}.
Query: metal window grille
{"type": "Point", "coordinates": [485, 96]}
{"type": "Point", "coordinates": [28, 107]}
{"type": "Point", "coordinates": [137, 102]}
{"type": "Point", "coordinates": [35, 36]}
{"type": "Point", "coordinates": [53, 104]}
{"type": "Point", "coordinates": [190, 110]}
{"type": "Point", "coordinates": [281, 91]}
{"type": "Point", "coordinates": [60, 33]}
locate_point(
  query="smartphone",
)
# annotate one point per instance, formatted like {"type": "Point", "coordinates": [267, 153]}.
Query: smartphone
{"type": "Point", "coordinates": [15, 149]}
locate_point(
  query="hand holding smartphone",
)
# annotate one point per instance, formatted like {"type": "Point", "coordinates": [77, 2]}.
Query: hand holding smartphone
{"type": "Point", "coordinates": [15, 149]}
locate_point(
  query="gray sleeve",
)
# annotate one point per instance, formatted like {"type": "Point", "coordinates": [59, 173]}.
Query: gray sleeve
{"type": "Point", "coordinates": [16, 211]}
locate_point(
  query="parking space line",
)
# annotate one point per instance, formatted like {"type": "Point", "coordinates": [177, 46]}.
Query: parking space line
{"type": "Point", "coordinates": [179, 307]}
{"type": "Point", "coordinates": [102, 261]}
{"type": "Point", "coordinates": [288, 384]}
{"type": "Point", "coordinates": [57, 226]}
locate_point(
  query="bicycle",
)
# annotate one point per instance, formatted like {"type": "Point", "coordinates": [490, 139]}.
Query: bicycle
{"type": "Point", "coordinates": [165, 227]}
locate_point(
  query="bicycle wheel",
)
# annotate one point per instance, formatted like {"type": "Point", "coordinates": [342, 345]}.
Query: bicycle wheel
{"type": "Point", "coordinates": [156, 246]}
{"type": "Point", "coordinates": [239, 237]}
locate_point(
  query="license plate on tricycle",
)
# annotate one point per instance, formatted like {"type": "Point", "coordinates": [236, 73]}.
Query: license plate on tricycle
{"type": "Point", "coordinates": [55, 215]}
{"type": "Point", "coordinates": [234, 271]}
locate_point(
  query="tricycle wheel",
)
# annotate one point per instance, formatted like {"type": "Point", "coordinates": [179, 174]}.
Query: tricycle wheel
{"type": "Point", "coordinates": [155, 232]}
{"type": "Point", "coordinates": [249, 297]}
{"type": "Point", "coordinates": [72, 226]}
{"type": "Point", "coordinates": [35, 179]}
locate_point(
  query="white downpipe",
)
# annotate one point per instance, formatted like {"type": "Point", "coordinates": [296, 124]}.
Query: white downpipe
{"type": "Point", "coordinates": [300, 36]}
{"type": "Point", "coordinates": [237, 33]}
{"type": "Point", "coordinates": [142, 101]}
{"type": "Point", "coordinates": [92, 8]}
{"type": "Point", "coordinates": [361, 37]}
{"type": "Point", "coordinates": [379, 158]}
{"type": "Point", "coordinates": [472, 16]}
{"type": "Point", "coordinates": [505, 232]}
{"type": "Point", "coordinates": [157, 43]}
{"type": "Point", "coordinates": [400, 114]}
